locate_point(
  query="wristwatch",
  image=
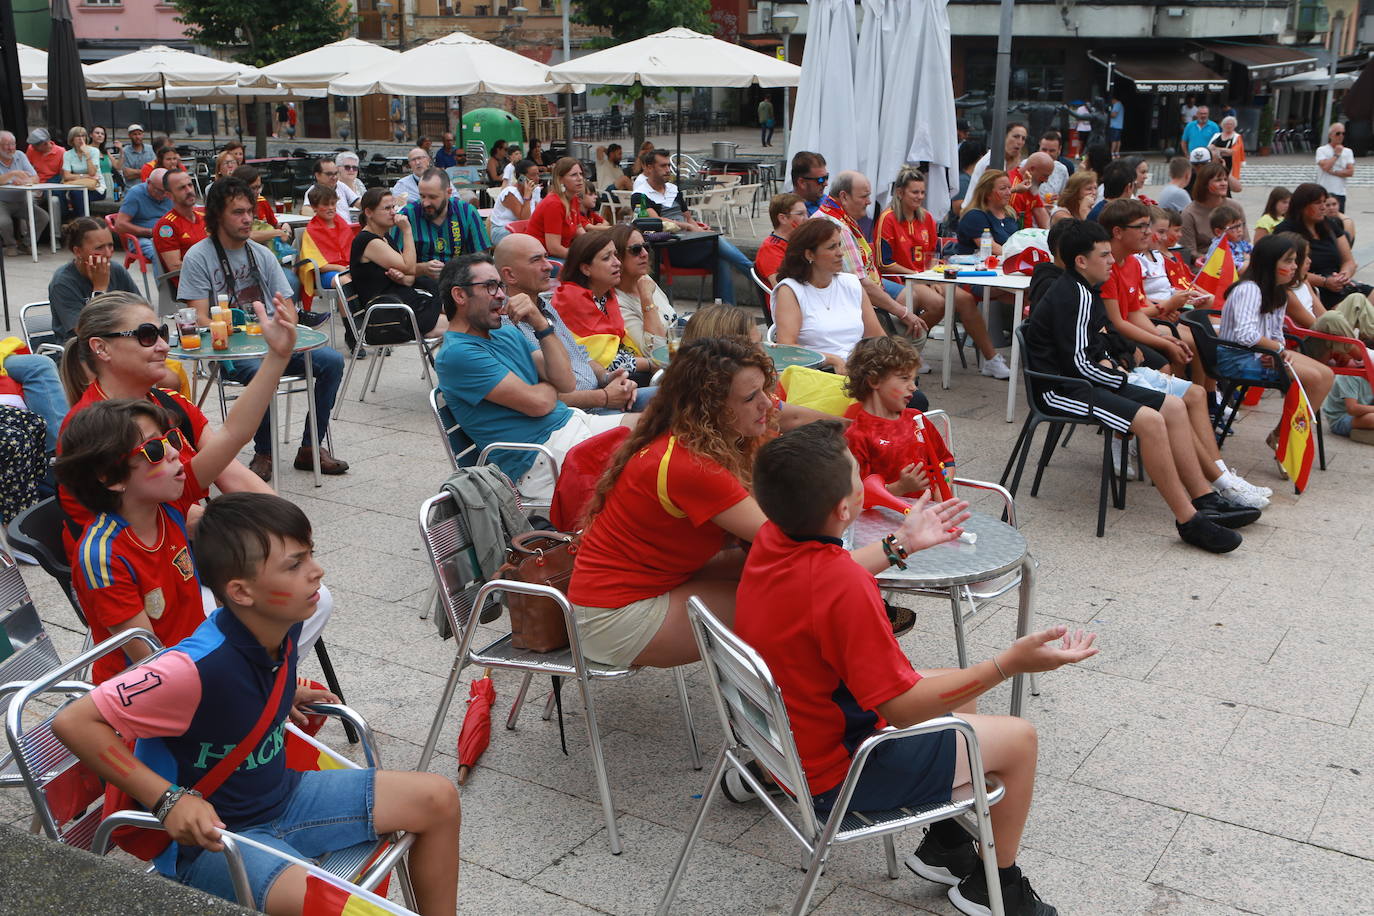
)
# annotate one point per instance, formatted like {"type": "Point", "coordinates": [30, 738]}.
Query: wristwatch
{"type": "Point", "coordinates": [540, 335]}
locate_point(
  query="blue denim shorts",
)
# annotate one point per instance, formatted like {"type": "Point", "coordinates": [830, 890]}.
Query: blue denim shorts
{"type": "Point", "coordinates": [1245, 366]}
{"type": "Point", "coordinates": [1341, 426]}
{"type": "Point", "coordinates": [918, 770]}
{"type": "Point", "coordinates": [330, 810]}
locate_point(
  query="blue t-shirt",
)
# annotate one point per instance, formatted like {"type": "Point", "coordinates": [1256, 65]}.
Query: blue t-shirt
{"type": "Point", "coordinates": [973, 222]}
{"type": "Point", "coordinates": [1197, 136]}
{"type": "Point", "coordinates": [1096, 211]}
{"type": "Point", "coordinates": [1118, 114]}
{"type": "Point", "coordinates": [191, 705]}
{"type": "Point", "coordinates": [469, 368]}
{"type": "Point", "coordinates": [142, 209]}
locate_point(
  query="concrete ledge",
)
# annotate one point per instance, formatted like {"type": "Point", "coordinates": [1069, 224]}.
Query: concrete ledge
{"type": "Point", "coordinates": [41, 878]}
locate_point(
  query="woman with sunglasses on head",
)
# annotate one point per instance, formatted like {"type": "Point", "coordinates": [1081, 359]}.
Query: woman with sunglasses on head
{"type": "Point", "coordinates": [907, 242]}
{"type": "Point", "coordinates": [646, 328]}
{"type": "Point", "coordinates": [126, 462]}
{"type": "Point", "coordinates": [91, 271]}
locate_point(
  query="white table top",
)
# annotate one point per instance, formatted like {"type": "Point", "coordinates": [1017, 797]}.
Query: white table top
{"type": "Point", "coordinates": [999, 280]}
{"type": "Point", "coordinates": [46, 186]}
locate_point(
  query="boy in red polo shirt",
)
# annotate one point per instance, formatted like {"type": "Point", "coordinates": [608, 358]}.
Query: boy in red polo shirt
{"type": "Point", "coordinates": [816, 618]}
{"type": "Point", "coordinates": [787, 212]}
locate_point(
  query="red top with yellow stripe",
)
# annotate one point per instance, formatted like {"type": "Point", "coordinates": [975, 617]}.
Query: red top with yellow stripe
{"type": "Point", "coordinates": [655, 531]}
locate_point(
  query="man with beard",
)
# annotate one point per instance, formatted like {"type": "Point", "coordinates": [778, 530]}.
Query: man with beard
{"type": "Point", "coordinates": [444, 226]}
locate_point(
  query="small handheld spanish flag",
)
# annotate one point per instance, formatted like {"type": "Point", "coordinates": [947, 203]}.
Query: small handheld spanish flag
{"type": "Point", "coordinates": [1217, 274]}
{"type": "Point", "coordinates": [1295, 445]}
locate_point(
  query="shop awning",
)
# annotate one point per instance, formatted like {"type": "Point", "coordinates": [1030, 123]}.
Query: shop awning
{"type": "Point", "coordinates": [1266, 61]}
{"type": "Point", "coordinates": [1161, 72]}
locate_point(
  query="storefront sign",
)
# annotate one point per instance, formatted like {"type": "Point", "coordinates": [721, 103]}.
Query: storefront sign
{"type": "Point", "coordinates": [1169, 86]}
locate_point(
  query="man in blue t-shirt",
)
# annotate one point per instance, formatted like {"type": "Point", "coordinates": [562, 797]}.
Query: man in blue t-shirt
{"type": "Point", "coordinates": [142, 207]}
{"type": "Point", "coordinates": [1116, 120]}
{"type": "Point", "coordinates": [1200, 130]}
{"type": "Point", "coordinates": [498, 387]}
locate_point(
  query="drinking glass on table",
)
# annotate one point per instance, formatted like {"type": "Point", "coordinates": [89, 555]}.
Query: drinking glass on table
{"type": "Point", "coordinates": [673, 336]}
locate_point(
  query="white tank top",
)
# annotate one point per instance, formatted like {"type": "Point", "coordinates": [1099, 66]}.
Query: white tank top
{"type": "Point", "coordinates": [832, 317]}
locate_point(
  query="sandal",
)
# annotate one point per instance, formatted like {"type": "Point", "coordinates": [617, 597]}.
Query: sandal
{"type": "Point", "coordinates": [1272, 440]}
{"type": "Point", "coordinates": [901, 618]}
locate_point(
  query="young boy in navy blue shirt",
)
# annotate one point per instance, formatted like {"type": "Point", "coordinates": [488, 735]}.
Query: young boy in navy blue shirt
{"type": "Point", "coordinates": [817, 619]}
{"type": "Point", "coordinates": [190, 705]}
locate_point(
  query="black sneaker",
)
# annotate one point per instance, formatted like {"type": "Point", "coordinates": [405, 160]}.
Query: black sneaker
{"type": "Point", "coordinates": [901, 618]}
{"type": "Point", "coordinates": [934, 862]}
{"type": "Point", "coordinates": [739, 791]}
{"type": "Point", "coordinates": [1224, 512]}
{"type": "Point", "coordinates": [1018, 897]}
{"type": "Point", "coordinates": [1201, 531]}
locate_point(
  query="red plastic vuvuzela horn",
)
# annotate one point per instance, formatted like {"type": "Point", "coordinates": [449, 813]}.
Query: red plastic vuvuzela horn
{"type": "Point", "coordinates": [877, 494]}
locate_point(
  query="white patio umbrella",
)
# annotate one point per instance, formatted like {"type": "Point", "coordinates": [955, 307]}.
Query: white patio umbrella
{"type": "Point", "coordinates": [456, 64]}
{"type": "Point", "coordinates": [316, 68]}
{"type": "Point", "coordinates": [905, 95]}
{"type": "Point", "coordinates": [160, 67]}
{"type": "Point", "coordinates": [680, 59]}
{"type": "Point", "coordinates": [826, 103]}
{"type": "Point", "coordinates": [33, 66]}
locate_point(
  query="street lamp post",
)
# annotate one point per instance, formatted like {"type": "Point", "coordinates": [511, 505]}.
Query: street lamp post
{"type": "Point", "coordinates": [784, 22]}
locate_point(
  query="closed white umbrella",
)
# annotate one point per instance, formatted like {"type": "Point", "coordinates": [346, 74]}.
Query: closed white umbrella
{"type": "Point", "coordinates": [932, 136]}
{"type": "Point", "coordinates": [33, 66]}
{"type": "Point", "coordinates": [678, 58]}
{"type": "Point", "coordinates": [1312, 81]}
{"type": "Point", "coordinates": [456, 64]}
{"type": "Point", "coordinates": [314, 69]}
{"type": "Point", "coordinates": [824, 118]}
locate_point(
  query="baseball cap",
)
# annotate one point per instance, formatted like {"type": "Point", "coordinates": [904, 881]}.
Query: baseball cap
{"type": "Point", "coordinates": [38, 135]}
{"type": "Point", "coordinates": [1199, 156]}
{"type": "Point", "coordinates": [134, 127]}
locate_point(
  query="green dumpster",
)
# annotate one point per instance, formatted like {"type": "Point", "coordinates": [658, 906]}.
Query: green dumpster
{"type": "Point", "coordinates": [490, 125]}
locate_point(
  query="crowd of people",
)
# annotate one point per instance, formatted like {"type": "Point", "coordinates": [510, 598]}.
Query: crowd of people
{"type": "Point", "coordinates": [550, 320]}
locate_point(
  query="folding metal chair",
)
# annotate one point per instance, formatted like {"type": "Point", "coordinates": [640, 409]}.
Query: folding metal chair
{"type": "Point", "coordinates": [346, 300]}
{"type": "Point", "coordinates": [755, 721]}
{"type": "Point", "coordinates": [765, 296]}
{"type": "Point", "coordinates": [461, 450]}
{"type": "Point", "coordinates": [31, 651]}
{"type": "Point", "coordinates": [449, 546]}
{"type": "Point", "coordinates": [35, 322]}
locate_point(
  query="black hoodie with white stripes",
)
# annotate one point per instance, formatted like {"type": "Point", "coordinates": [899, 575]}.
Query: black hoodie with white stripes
{"type": "Point", "coordinates": [1068, 334]}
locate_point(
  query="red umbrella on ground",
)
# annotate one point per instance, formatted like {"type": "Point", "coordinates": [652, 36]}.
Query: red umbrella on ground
{"type": "Point", "coordinates": [476, 733]}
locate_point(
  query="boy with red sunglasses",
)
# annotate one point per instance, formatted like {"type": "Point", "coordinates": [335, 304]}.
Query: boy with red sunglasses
{"type": "Point", "coordinates": [122, 460]}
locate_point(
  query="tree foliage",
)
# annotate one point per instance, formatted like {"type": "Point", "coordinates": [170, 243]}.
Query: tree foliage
{"type": "Point", "coordinates": [628, 21]}
{"type": "Point", "coordinates": [262, 32]}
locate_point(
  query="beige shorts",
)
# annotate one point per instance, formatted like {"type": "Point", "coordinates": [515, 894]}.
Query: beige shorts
{"type": "Point", "coordinates": [616, 635]}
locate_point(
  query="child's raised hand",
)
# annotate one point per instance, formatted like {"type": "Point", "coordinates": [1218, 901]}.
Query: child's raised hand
{"type": "Point", "coordinates": [928, 524]}
{"type": "Point", "coordinates": [279, 331]}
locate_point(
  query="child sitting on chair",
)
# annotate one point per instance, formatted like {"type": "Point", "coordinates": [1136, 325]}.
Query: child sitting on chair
{"type": "Point", "coordinates": [816, 618]}
{"type": "Point", "coordinates": [886, 436]}
{"type": "Point", "coordinates": [190, 705]}
{"type": "Point", "coordinates": [122, 460]}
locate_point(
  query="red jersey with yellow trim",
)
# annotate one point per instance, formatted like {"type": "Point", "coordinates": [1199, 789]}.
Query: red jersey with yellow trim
{"type": "Point", "coordinates": [264, 211]}
{"type": "Point", "coordinates": [175, 232]}
{"type": "Point", "coordinates": [886, 446]}
{"type": "Point", "coordinates": [1023, 202]}
{"type": "Point", "coordinates": [656, 530]}
{"type": "Point", "coordinates": [116, 576]}
{"type": "Point", "coordinates": [908, 244]}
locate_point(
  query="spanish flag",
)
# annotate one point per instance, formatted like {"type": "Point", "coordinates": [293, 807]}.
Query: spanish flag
{"type": "Point", "coordinates": [323, 897]}
{"type": "Point", "coordinates": [1295, 446]}
{"type": "Point", "coordinates": [304, 753]}
{"type": "Point", "coordinates": [1217, 274]}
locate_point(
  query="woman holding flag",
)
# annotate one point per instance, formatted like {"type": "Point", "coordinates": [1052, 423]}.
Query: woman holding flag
{"type": "Point", "coordinates": [1253, 317]}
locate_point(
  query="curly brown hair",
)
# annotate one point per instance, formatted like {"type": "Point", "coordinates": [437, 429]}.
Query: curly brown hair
{"type": "Point", "coordinates": [875, 358]}
{"type": "Point", "coordinates": [691, 405]}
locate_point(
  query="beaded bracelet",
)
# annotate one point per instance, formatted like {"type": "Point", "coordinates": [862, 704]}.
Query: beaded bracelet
{"type": "Point", "coordinates": [892, 557]}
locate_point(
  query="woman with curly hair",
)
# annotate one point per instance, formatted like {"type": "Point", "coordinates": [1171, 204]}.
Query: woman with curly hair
{"type": "Point", "coordinates": [677, 491]}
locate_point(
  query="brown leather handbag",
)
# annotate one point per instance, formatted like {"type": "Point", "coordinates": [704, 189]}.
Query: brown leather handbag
{"type": "Point", "coordinates": [540, 558]}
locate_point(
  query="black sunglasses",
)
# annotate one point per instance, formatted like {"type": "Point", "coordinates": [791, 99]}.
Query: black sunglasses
{"type": "Point", "coordinates": [635, 249]}
{"type": "Point", "coordinates": [146, 334]}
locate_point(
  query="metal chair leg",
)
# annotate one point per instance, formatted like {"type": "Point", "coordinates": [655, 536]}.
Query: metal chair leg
{"type": "Point", "coordinates": [343, 387]}
{"type": "Point", "coordinates": [1046, 453]}
{"type": "Point", "coordinates": [688, 844]}
{"type": "Point", "coordinates": [1107, 442]}
{"type": "Point", "coordinates": [686, 705]}
{"type": "Point", "coordinates": [519, 700]}
{"type": "Point", "coordinates": [549, 701]}
{"type": "Point", "coordinates": [890, 853]}
{"type": "Point", "coordinates": [956, 605]}
{"type": "Point", "coordinates": [603, 781]}
{"type": "Point", "coordinates": [332, 681]}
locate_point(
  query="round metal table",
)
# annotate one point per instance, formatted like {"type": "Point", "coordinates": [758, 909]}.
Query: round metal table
{"type": "Point", "coordinates": [246, 346]}
{"type": "Point", "coordinates": [783, 355]}
{"type": "Point", "coordinates": [999, 549]}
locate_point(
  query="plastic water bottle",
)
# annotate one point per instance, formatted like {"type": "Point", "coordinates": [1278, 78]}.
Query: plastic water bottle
{"type": "Point", "coordinates": [985, 247]}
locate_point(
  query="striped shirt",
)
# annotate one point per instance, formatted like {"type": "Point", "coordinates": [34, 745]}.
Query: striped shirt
{"type": "Point", "coordinates": [462, 231]}
{"type": "Point", "coordinates": [1242, 321]}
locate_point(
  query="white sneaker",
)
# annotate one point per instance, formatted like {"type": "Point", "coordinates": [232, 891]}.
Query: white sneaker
{"type": "Point", "coordinates": [926, 368]}
{"type": "Point", "coordinates": [1247, 485]}
{"type": "Point", "coordinates": [996, 367]}
{"type": "Point", "coordinates": [1243, 497]}
{"type": "Point", "coordinates": [1117, 457]}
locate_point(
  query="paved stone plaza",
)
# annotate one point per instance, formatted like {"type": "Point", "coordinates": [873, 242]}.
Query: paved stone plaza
{"type": "Point", "coordinates": [1214, 758]}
